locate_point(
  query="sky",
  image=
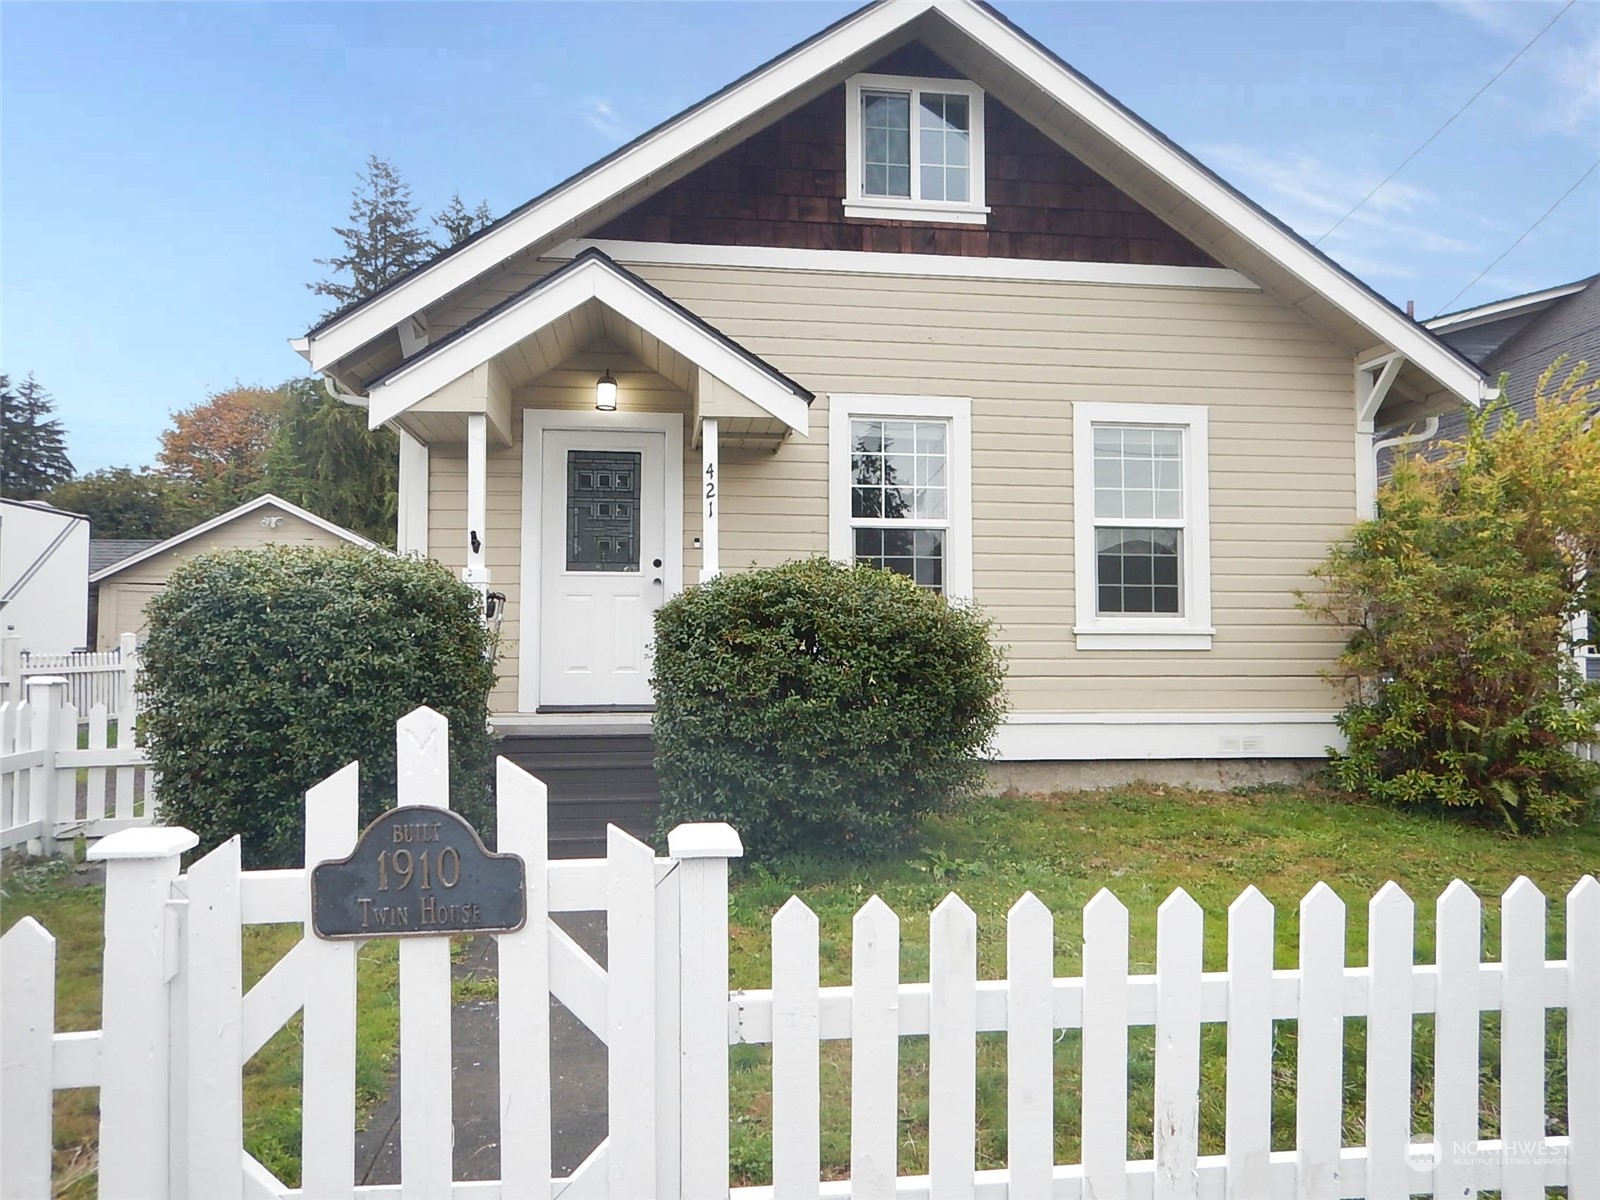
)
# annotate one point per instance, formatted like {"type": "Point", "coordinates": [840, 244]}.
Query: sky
{"type": "Point", "coordinates": [169, 172]}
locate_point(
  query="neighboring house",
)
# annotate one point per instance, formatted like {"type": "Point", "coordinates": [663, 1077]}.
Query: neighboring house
{"type": "Point", "coordinates": [126, 585]}
{"type": "Point", "coordinates": [44, 570]}
{"type": "Point", "coordinates": [914, 293]}
{"type": "Point", "coordinates": [103, 553]}
{"type": "Point", "coordinates": [1519, 338]}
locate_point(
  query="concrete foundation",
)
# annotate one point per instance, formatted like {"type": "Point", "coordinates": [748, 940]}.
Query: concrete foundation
{"type": "Point", "coordinates": [1219, 774]}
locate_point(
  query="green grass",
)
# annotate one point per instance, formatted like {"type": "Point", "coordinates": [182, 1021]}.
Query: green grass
{"type": "Point", "coordinates": [1141, 843]}
{"type": "Point", "coordinates": [75, 916]}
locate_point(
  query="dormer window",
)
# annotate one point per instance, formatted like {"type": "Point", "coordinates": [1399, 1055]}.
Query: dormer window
{"type": "Point", "coordinates": [914, 149]}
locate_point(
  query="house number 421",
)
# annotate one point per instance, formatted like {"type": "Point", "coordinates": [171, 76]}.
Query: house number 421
{"type": "Point", "coordinates": [711, 489]}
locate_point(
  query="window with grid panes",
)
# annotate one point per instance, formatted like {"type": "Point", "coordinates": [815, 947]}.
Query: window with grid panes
{"type": "Point", "coordinates": [1138, 520]}
{"type": "Point", "coordinates": [899, 496]}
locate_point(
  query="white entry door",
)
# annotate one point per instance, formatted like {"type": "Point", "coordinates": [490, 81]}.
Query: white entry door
{"type": "Point", "coordinates": [603, 558]}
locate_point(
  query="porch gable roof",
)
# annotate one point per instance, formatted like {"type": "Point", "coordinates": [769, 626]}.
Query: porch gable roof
{"type": "Point", "coordinates": [592, 275]}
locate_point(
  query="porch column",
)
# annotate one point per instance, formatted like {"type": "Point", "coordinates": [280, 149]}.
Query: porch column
{"type": "Point", "coordinates": [710, 568]}
{"type": "Point", "coordinates": [411, 533]}
{"type": "Point", "coordinates": [477, 572]}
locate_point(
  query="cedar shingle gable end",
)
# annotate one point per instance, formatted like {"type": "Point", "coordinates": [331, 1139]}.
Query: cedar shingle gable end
{"type": "Point", "coordinates": [785, 186]}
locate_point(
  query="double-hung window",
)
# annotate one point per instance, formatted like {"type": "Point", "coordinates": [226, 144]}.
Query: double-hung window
{"type": "Point", "coordinates": [914, 149]}
{"type": "Point", "coordinates": [1141, 527]}
{"type": "Point", "coordinates": [899, 487]}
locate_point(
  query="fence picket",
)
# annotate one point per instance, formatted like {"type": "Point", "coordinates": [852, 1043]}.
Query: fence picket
{"type": "Point", "coordinates": [1319, 1046]}
{"type": "Point", "coordinates": [1391, 921]}
{"type": "Point", "coordinates": [427, 1128]}
{"type": "Point", "coordinates": [214, 1026]}
{"type": "Point", "coordinates": [796, 1065]}
{"type": "Point", "coordinates": [524, 990]}
{"type": "Point", "coordinates": [1583, 1038]}
{"type": "Point", "coordinates": [1459, 933]}
{"type": "Point", "coordinates": [1180, 938]}
{"type": "Point", "coordinates": [630, 1014]}
{"type": "Point", "coordinates": [1030, 1047]}
{"type": "Point", "coordinates": [327, 1130]}
{"type": "Point", "coordinates": [28, 999]}
{"type": "Point", "coordinates": [1105, 1047]}
{"type": "Point", "coordinates": [874, 1051]}
{"type": "Point", "coordinates": [127, 720]}
{"type": "Point", "coordinates": [46, 696]}
{"type": "Point", "coordinates": [99, 739]}
{"type": "Point", "coordinates": [1249, 1095]}
{"type": "Point", "coordinates": [952, 1050]}
{"type": "Point", "coordinates": [1522, 920]}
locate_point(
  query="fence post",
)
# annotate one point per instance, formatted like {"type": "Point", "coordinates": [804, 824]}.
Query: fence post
{"type": "Point", "coordinates": [142, 955]}
{"type": "Point", "coordinates": [128, 655]}
{"type": "Point", "coordinates": [47, 694]}
{"type": "Point", "coordinates": [11, 667]}
{"type": "Point", "coordinates": [701, 852]}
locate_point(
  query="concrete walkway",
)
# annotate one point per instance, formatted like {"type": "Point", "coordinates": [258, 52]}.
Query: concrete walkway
{"type": "Point", "coordinates": [577, 1070]}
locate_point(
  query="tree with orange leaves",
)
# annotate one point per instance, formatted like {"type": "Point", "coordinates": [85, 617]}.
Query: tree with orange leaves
{"type": "Point", "coordinates": [217, 450]}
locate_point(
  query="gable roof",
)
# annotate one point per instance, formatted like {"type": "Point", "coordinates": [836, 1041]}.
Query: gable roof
{"type": "Point", "coordinates": [1194, 196]}
{"type": "Point", "coordinates": [592, 275]}
{"type": "Point", "coordinates": [107, 552]}
{"type": "Point", "coordinates": [153, 549]}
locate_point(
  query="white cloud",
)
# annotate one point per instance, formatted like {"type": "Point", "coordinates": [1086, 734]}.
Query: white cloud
{"type": "Point", "coordinates": [603, 119]}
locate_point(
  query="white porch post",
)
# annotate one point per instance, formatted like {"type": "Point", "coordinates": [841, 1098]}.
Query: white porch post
{"type": "Point", "coordinates": [411, 532]}
{"type": "Point", "coordinates": [477, 571]}
{"type": "Point", "coordinates": [710, 499]}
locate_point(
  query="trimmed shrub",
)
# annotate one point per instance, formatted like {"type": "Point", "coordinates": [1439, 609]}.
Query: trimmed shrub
{"type": "Point", "coordinates": [1461, 595]}
{"type": "Point", "coordinates": [267, 670]}
{"type": "Point", "coordinates": [814, 705]}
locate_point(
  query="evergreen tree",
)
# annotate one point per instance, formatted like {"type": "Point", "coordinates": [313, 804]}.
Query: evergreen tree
{"type": "Point", "coordinates": [459, 222]}
{"type": "Point", "coordinates": [33, 447]}
{"type": "Point", "coordinates": [324, 458]}
{"type": "Point", "coordinates": [382, 242]}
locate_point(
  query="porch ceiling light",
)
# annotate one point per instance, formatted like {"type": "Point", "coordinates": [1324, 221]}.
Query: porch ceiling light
{"type": "Point", "coordinates": [605, 393]}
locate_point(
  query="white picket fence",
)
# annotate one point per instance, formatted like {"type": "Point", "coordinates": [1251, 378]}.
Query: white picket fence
{"type": "Point", "coordinates": [93, 677]}
{"type": "Point", "coordinates": [43, 803]}
{"type": "Point", "coordinates": [179, 1027]}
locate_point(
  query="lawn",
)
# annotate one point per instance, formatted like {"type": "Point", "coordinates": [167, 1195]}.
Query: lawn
{"type": "Point", "coordinates": [1141, 843]}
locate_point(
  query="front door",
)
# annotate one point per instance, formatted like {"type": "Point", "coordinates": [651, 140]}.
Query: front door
{"type": "Point", "coordinates": [602, 553]}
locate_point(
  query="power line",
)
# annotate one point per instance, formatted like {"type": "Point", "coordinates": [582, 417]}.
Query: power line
{"type": "Point", "coordinates": [1384, 181]}
{"type": "Point", "coordinates": [1518, 242]}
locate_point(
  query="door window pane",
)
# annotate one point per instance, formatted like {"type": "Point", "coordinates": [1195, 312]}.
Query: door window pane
{"type": "Point", "coordinates": [602, 510]}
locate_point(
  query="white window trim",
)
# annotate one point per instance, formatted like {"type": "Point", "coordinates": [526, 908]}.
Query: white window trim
{"type": "Point", "coordinates": [1192, 630]}
{"type": "Point", "coordinates": [970, 212]}
{"type": "Point", "coordinates": [842, 409]}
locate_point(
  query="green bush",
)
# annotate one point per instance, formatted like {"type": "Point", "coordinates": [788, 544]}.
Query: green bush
{"type": "Point", "coordinates": [267, 670]}
{"type": "Point", "coordinates": [1460, 596]}
{"type": "Point", "coordinates": [813, 705]}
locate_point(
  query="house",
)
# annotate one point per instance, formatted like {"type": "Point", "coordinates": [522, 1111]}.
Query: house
{"type": "Point", "coordinates": [126, 584]}
{"type": "Point", "coordinates": [44, 568]}
{"type": "Point", "coordinates": [914, 293]}
{"type": "Point", "coordinates": [1519, 338]}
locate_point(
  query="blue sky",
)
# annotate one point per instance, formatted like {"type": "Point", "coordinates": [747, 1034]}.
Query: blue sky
{"type": "Point", "coordinates": [168, 172]}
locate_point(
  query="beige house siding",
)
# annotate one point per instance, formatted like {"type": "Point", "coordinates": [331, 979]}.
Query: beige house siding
{"type": "Point", "coordinates": [1281, 458]}
{"type": "Point", "coordinates": [124, 595]}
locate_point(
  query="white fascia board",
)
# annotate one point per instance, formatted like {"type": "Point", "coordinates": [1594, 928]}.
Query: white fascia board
{"type": "Point", "coordinates": [1147, 149]}
{"type": "Point", "coordinates": [592, 280]}
{"type": "Point", "coordinates": [876, 262]}
{"type": "Point", "coordinates": [1484, 313]}
{"type": "Point", "coordinates": [243, 510]}
{"type": "Point", "coordinates": [632, 166]}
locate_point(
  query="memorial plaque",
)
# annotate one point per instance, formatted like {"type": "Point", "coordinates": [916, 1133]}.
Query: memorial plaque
{"type": "Point", "coordinates": [417, 872]}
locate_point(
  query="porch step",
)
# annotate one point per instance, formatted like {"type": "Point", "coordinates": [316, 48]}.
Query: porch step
{"type": "Point", "coordinates": [595, 778]}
